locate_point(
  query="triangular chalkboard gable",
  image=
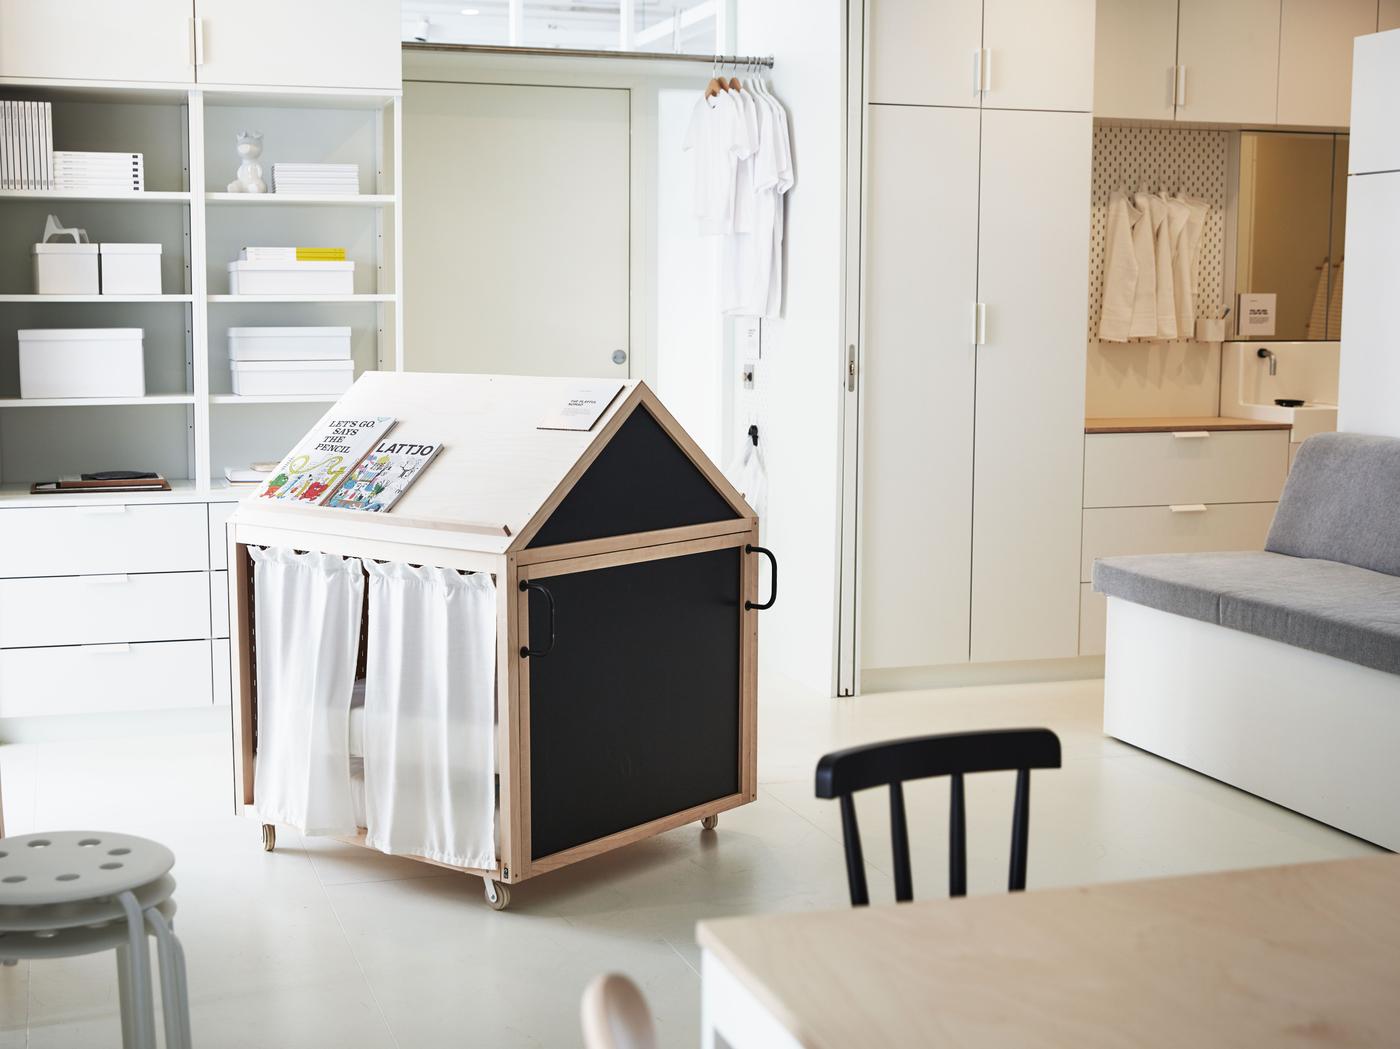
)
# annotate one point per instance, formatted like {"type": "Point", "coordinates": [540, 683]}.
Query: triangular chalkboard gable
{"type": "Point", "coordinates": [640, 481]}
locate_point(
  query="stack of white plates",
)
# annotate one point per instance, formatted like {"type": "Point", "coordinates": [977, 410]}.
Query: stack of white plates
{"type": "Point", "coordinates": [328, 179]}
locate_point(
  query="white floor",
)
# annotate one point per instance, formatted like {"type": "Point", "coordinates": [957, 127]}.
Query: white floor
{"type": "Point", "coordinates": [327, 945]}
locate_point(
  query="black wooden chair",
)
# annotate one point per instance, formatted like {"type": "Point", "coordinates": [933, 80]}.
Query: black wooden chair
{"type": "Point", "coordinates": [841, 773]}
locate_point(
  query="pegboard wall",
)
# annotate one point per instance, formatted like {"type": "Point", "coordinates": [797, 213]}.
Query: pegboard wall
{"type": "Point", "coordinates": [1193, 163]}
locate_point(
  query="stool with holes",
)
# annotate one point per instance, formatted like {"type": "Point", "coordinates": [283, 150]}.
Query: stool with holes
{"type": "Point", "coordinates": [81, 892]}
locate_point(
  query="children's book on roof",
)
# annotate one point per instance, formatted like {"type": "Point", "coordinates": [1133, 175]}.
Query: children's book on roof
{"type": "Point", "coordinates": [383, 475]}
{"type": "Point", "coordinates": [316, 467]}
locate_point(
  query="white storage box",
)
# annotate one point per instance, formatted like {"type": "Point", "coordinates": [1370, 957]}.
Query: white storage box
{"type": "Point", "coordinates": [65, 269]}
{"type": "Point", "coordinates": [289, 344]}
{"type": "Point", "coordinates": [288, 378]}
{"type": "Point", "coordinates": [130, 269]}
{"type": "Point", "coordinates": [291, 278]}
{"type": "Point", "coordinates": [81, 362]}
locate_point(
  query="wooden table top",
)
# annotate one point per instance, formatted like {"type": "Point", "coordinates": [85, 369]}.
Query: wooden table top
{"type": "Point", "coordinates": [1307, 954]}
{"type": "Point", "coordinates": [1168, 423]}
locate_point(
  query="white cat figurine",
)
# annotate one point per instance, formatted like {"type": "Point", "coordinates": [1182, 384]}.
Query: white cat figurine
{"type": "Point", "coordinates": [249, 178]}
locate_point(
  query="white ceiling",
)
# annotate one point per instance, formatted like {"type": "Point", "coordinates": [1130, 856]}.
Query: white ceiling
{"type": "Point", "coordinates": [557, 23]}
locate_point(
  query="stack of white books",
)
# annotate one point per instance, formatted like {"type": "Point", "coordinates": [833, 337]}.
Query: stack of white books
{"type": "Point", "coordinates": [327, 179]}
{"type": "Point", "coordinates": [26, 145]}
{"type": "Point", "coordinates": [80, 172]}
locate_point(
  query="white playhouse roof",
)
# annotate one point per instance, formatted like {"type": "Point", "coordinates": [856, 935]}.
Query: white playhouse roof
{"type": "Point", "coordinates": [499, 476]}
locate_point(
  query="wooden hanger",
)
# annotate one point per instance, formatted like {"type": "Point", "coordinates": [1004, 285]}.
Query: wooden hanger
{"type": "Point", "coordinates": [715, 86]}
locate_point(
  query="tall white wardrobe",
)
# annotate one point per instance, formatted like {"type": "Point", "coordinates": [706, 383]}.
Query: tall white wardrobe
{"type": "Point", "coordinates": [974, 269]}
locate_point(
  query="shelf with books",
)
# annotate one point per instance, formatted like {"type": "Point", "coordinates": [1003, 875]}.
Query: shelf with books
{"type": "Point", "coordinates": [59, 196]}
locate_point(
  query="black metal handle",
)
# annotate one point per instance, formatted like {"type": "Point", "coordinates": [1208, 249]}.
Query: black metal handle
{"type": "Point", "coordinates": [525, 650]}
{"type": "Point", "coordinates": [773, 590]}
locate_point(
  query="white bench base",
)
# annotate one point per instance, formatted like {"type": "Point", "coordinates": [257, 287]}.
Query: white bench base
{"type": "Point", "coordinates": [1310, 732]}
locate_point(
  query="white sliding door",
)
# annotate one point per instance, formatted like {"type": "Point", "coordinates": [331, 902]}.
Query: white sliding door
{"type": "Point", "coordinates": [918, 372]}
{"type": "Point", "coordinates": [1032, 274]}
{"type": "Point", "coordinates": [516, 229]}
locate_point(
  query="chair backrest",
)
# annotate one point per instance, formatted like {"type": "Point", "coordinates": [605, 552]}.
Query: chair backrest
{"type": "Point", "coordinates": [616, 1015]}
{"type": "Point", "coordinates": [843, 772]}
{"type": "Point", "coordinates": [1339, 502]}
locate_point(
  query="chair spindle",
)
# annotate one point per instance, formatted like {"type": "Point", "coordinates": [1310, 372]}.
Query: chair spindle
{"type": "Point", "coordinates": [1020, 830]}
{"type": "Point", "coordinates": [957, 838]}
{"type": "Point", "coordinates": [899, 837]}
{"type": "Point", "coordinates": [855, 861]}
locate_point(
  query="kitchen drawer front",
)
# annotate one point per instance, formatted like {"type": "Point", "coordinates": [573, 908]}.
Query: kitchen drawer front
{"type": "Point", "coordinates": [103, 538]}
{"type": "Point", "coordinates": [91, 679]}
{"type": "Point", "coordinates": [107, 609]}
{"type": "Point", "coordinates": [219, 514]}
{"type": "Point", "coordinates": [218, 604]}
{"type": "Point", "coordinates": [1156, 469]}
{"type": "Point", "coordinates": [1182, 529]}
{"type": "Point", "coordinates": [1093, 621]}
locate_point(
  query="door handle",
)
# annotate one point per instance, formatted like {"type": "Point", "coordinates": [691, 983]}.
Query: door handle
{"type": "Point", "coordinates": [107, 580]}
{"type": "Point", "coordinates": [619, 356]}
{"type": "Point", "coordinates": [197, 28]}
{"type": "Point", "coordinates": [1188, 508]}
{"type": "Point", "coordinates": [102, 511]}
{"type": "Point", "coordinates": [1181, 85]}
{"type": "Point", "coordinates": [986, 69]}
{"type": "Point", "coordinates": [976, 72]}
{"type": "Point", "coordinates": [979, 324]}
{"type": "Point", "coordinates": [1190, 434]}
{"type": "Point", "coordinates": [750, 606]}
{"type": "Point", "coordinates": [526, 585]}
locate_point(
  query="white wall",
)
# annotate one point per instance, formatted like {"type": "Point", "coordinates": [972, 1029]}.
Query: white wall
{"type": "Point", "coordinates": [797, 402]}
{"type": "Point", "coordinates": [689, 335]}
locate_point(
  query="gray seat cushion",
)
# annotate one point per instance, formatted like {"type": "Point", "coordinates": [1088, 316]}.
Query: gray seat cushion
{"type": "Point", "coordinates": [1336, 609]}
{"type": "Point", "coordinates": [1342, 502]}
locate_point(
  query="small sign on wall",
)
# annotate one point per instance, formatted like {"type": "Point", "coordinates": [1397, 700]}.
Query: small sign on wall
{"type": "Point", "coordinates": [748, 338]}
{"type": "Point", "coordinates": [1258, 314]}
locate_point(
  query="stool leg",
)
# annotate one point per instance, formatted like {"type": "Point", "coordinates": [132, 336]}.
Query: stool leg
{"type": "Point", "coordinates": [174, 994]}
{"type": "Point", "coordinates": [128, 1004]}
{"type": "Point", "coordinates": [143, 1021]}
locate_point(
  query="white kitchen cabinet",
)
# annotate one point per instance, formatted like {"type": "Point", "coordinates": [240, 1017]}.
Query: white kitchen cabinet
{"type": "Point", "coordinates": [1037, 56]}
{"type": "Point", "coordinates": [924, 52]}
{"type": "Point", "coordinates": [1375, 119]}
{"type": "Point", "coordinates": [1314, 64]}
{"type": "Point", "coordinates": [1227, 61]}
{"type": "Point", "coordinates": [1135, 59]}
{"type": "Point", "coordinates": [1032, 269]}
{"type": "Point", "coordinates": [919, 372]}
{"type": "Point", "coordinates": [1185, 467]}
{"type": "Point", "coordinates": [134, 40]}
{"type": "Point", "coordinates": [1369, 384]}
{"type": "Point", "coordinates": [309, 43]}
{"type": "Point", "coordinates": [104, 679]}
{"type": "Point", "coordinates": [103, 609]}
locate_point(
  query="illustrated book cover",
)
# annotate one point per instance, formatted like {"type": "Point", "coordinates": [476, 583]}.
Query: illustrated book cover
{"type": "Point", "coordinates": [383, 475]}
{"type": "Point", "coordinates": [316, 467]}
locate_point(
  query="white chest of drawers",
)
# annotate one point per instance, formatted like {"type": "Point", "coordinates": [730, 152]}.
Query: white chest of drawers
{"type": "Point", "coordinates": [1173, 486]}
{"type": "Point", "coordinates": [112, 606]}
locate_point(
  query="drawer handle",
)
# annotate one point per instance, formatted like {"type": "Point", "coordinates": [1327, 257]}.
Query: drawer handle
{"type": "Point", "coordinates": [102, 649]}
{"type": "Point", "coordinates": [107, 580]}
{"type": "Point", "coordinates": [1179, 434]}
{"type": "Point", "coordinates": [103, 511]}
{"type": "Point", "coordinates": [1188, 508]}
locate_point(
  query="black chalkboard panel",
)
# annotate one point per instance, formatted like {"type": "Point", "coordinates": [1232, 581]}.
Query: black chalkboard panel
{"type": "Point", "coordinates": [634, 714]}
{"type": "Point", "coordinates": [640, 482]}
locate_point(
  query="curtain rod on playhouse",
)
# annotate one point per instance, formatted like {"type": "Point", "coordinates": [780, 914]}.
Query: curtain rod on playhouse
{"type": "Point", "coordinates": [739, 61]}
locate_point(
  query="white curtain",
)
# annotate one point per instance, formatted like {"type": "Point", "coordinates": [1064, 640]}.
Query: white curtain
{"type": "Point", "coordinates": [430, 748]}
{"type": "Point", "coordinates": [307, 636]}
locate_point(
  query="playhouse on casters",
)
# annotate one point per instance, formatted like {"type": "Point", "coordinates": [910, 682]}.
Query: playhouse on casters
{"type": "Point", "coordinates": [548, 649]}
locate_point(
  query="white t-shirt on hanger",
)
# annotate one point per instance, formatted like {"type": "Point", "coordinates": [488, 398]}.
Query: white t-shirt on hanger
{"type": "Point", "coordinates": [719, 137]}
{"type": "Point", "coordinates": [748, 254]}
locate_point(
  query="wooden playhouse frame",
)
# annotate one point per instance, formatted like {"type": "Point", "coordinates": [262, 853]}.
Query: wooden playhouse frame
{"type": "Point", "coordinates": [510, 499]}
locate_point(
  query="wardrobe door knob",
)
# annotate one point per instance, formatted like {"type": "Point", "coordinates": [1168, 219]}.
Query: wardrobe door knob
{"type": "Point", "coordinates": [619, 357]}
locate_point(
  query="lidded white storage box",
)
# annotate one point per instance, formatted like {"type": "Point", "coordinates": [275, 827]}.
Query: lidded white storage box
{"type": "Point", "coordinates": [289, 344]}
{"type": "Point", "coordinates": [81, 362]}
{"type": "Point", "coordinates": [65, 269]}
{"type": "Point", "coordinates": [288, 378]}
{"type": "Point", "coordinates": [130, 269]}
{"type": "Point", "coordinates": [291, 278]}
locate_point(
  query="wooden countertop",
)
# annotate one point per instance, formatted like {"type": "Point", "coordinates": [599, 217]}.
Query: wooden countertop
{"type": "Point", "coordinates": [1169, 423]}
{"type": "Point", "coordinates": [1307, 954]}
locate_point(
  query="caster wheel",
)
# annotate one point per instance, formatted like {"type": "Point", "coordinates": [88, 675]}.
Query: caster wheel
{"type": "Point", "coordinates": [709, 822]}
{"type": "Point", "coordinates": [269, 837]}
{"type": "Point", "coordinates": [497, 894]}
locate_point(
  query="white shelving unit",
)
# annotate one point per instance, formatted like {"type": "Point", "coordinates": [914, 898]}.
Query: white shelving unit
{"type": "Point", "coordinates": [190, 425]}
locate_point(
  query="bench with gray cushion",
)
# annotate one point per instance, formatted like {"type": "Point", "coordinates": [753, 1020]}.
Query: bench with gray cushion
{"type": "Point", "coordinates": [1328, 579]}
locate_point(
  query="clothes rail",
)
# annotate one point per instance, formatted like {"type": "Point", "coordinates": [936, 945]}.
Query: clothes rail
{"type": "Point", "coordinates": [760, 61]}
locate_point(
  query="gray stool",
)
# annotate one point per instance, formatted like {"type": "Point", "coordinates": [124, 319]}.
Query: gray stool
{"type": "Point", "coordinates": [80, 892]}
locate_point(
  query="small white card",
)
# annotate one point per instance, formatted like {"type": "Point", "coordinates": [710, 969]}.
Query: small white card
{"type": "Point", "coordinates": [748, 337]}
{"type": "Point", "coordinates": [1258, 314]}
{"type": "Point", "coordinates": [582, 407]}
